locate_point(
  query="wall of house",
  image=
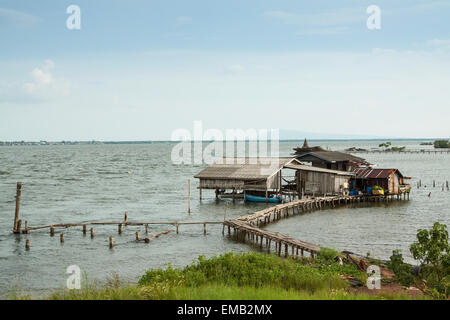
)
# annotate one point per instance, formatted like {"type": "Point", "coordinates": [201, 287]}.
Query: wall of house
{"type": "Point", "coordinates": [320, 183]}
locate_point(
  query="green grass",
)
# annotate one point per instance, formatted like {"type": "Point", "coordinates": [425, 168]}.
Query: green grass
{"type": "Point", "coordinates": [216, 292]}
{"type": "Point", "coordinates": [233, 276]}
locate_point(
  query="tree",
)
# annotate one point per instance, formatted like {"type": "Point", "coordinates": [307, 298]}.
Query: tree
{"type": "Point", "coordinates": [385, 145]}
{"type": "Point", "coordinates": [432, 250]}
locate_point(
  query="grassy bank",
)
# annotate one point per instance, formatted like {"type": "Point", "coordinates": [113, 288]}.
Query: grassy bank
{"type": "Point", "coordinates": [238, 276]}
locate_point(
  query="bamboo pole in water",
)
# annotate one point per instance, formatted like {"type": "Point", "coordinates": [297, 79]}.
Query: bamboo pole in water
{"type": "Point", "coordinates": [189, 196]}
{"type": "Point", "coordinates": [16, 214]}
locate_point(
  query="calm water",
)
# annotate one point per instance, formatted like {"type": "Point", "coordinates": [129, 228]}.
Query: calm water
{"type": "Point", "coordinates": [101, 182]}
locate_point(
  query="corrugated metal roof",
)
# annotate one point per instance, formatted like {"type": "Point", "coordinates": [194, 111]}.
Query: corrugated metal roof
{"type": "Point", "coordinates": [256, 168]}
{"type": "Point", "coordinates": [316, 169]}
{"type": "Point", "coordinates": [374, 173]}
{"type": "Point", "coordinates": [332, 156]}
{"type": "Point", "coordinates": [244, 168]}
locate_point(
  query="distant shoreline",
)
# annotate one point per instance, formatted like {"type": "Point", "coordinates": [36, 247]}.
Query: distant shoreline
{"type": "Point", "coordinates": [95, 142]}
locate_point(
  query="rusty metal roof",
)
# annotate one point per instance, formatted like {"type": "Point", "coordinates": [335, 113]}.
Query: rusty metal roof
{"type": "Point", "coordinates": [375, 173]}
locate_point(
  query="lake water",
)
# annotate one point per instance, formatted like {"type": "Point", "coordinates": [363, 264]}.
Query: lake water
{"type": "Point", "coordinates": [64, 184]}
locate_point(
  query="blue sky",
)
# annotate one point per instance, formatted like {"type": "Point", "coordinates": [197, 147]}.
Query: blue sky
{"type": "Point", "coordinates": [138, 70]}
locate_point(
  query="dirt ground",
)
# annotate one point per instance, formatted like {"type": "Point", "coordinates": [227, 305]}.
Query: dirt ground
{"type": "Point", "coordinates": [388, 287]}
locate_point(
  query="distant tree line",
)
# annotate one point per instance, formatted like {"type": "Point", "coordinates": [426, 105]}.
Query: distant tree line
{"type": "Point", "coordinates": [441, 144]}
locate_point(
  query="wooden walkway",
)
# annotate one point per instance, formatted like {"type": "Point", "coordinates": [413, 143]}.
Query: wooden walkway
{"type": "Point", "coordinates": [246, 228]}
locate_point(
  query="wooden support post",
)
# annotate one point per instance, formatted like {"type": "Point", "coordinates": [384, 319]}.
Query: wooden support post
{"type": "Point", "coordinates": [52, 231]}
{"type": "Point", "coordinates": [120, 228]}
{"type": "Point", "coordinates": [16, 215]}
{"type": "Point", "coordinates": [177, 227]}
{"type": "Point", "coordinates": [204, 229]}
{"type": "Point", "coordinates": [92, 233]}
{"type": "Point", "coordinates": [111, 242]}
{"type": "Point", "coordinates": [189, 196]}
{"type": "Point", "coordinates": [26, 231]}
{"type": "Point", "coordinates": [125, 219]}
{"type": "Point", "coordinates": [84, 229]}
{"type": "Point", "coordinates": [19, 226]}
{"type": "Point", "coordinates": [267, 195]}
{"type": "Point", "coordinates": [223, 229]}
{"type": "Point", "coordinates": [285, 250]}
{"type": "Point", "coordinates": [27, 244]}
{"type": "Point", "coordinates": [61, 237]}
{"type": "Point", "coordinates": [137, 236]}
{"type": "Point", "coordinates": [200, 193]}
{"type": "Point", "coordinates": [146, 228]}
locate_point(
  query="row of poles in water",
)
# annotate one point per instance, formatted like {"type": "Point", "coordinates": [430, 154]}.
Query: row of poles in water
{"type": "Point", "coordinates": [445, 186]}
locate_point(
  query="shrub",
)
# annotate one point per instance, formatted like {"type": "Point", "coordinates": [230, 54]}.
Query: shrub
{"type": "Point", "coordinates": [249, 269]}
{"type": "Point", "coordinates": [442, 144]}
{"type": "Point", "coordinates": [432, 250]}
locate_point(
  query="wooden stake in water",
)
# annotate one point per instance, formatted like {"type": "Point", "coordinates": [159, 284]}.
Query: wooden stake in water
{"type": "Point", "coordinates": [189, 196]}
{"type": "Point", "coordinates": [111, 242]}
{"type": "Point", "coordinates": [92, 233]}
{"type": "Point", "coordinates": [27, 244]}
{"type": "Point", "coordinates": [16, 215]}
{"type": "Point", "coordinates": [61, 237]}
{"type": "Point", "coordinates": [19, 226]}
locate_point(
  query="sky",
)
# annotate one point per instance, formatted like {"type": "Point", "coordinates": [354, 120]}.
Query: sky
{"type": "Point", "coordinates": [140, 70]}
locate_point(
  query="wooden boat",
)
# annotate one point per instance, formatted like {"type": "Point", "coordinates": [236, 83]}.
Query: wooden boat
{"type": "Point", "coordinates": [252, 198]}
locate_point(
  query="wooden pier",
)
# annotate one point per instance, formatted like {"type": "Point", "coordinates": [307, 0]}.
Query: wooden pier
{"type": "Point", "coordinates": [247, 228]}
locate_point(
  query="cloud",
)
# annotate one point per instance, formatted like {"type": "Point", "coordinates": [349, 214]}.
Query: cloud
{"type": "Point", "coordinates": [182, 20]}
{"type": "Point", "coordinates": [42, 78]}
{"type": "Point", "coordinates": [15, 18]}
{"type": "Point", "coordinates": [431, 5]}
{"type": "Point", "coordinates": [439, 43]}
{"type": "Point", "coordinates": [235, 68]}
{"type": "Point", "coordinates": [335, 18]}
{"type": "Point", "coordinates": [323, 31]}
{"type": "Point", "coordinates": [42, 86]}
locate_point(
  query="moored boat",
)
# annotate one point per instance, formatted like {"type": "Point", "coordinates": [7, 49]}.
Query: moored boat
{"type": "Point", "coordinates": [252, 198]}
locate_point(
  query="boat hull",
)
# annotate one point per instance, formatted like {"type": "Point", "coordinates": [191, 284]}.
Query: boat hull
{"type": "Point", "coordinates": [251, 198]}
